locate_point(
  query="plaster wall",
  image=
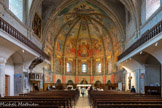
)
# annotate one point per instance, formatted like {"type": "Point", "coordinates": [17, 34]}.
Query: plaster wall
{"type": "Point", "coordinates": [152, 75]}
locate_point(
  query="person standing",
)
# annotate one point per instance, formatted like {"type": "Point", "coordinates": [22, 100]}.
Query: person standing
{"type": "Point", "coordinates": [133, 90]}
{"type": "Point", "coordinates": [48, 88]}
{"type": "Point", "coordinates": [82, 91]}
{"type": "Point", "coordinates": [91, 88]}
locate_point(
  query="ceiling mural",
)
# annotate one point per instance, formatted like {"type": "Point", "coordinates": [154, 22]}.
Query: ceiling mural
{"type": "Point", "coordinates": [84, 30]}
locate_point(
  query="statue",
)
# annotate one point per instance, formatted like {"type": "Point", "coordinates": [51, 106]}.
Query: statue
{"type": "Point", "coordinates": [129, 81]}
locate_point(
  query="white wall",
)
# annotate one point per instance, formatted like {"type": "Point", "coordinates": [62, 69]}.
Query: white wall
{"type": "Point", "coordinates": [9, 70]}
{"type": "Point", "coordinates": [152, 74]}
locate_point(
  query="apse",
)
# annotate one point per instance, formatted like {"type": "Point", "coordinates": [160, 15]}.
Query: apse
{"type": "Point", "coordinates": [83, 40]}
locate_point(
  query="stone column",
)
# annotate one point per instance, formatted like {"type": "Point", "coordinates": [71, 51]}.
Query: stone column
{"type": "Point", "coordinates": [91, 66]}
{"type": "Point", "coordinates": [2, 77]}
{"type": "Point", "coordinates": [138, 80]}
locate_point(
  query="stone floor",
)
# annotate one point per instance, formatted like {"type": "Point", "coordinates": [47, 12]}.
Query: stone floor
{"type": "Point", "coordinates": [83, 102]}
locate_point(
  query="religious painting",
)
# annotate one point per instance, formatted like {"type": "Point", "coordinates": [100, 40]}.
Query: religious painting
{"type": "Point", "coordinates": [97, 48]}
{"type": "Point", "coordinates": [59, 45]}
{"type": "Point", "coordinates": [58, 65]}
{"type": "Point", "coordinates": [109, 66]}
{"type": "Point", "coordinates": [84, 50]}
{"type": "Point", "coordinates": [37, 25]}
{"type": "Point", "coordinates": [70, 48]}
{"type": "Point", "coordinates": [77, 35]}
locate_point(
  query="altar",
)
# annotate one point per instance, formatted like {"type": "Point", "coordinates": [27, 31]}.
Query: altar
{"type": "Point", "coordinates": [86, 86]}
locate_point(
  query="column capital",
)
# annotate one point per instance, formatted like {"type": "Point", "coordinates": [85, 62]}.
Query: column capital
{"type": "Point", "coordinates": [2, 61]}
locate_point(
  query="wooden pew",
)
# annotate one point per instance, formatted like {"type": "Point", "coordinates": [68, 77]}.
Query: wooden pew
{"type": "Point", "coordinates": [57, 99]}
{"type": "Point", "coordinates": [113, 99]}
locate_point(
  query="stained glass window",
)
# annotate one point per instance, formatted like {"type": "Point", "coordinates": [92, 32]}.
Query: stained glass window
{"type": "Point", "coordinates": [68, 67]}
{"type": "Point", "coordinates": [99, 67]}
{"type": "Point", "coordinates": [84, 68]}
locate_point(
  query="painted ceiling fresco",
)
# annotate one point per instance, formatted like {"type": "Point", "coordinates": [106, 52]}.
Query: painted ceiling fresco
{"type": "Point", "coordinates": [84, 30]}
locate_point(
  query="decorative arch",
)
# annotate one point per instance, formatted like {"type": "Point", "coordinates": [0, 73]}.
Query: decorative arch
{"type": "Point", "coordinates": [84, 81]}
{"type": "Point", "coordinates": [98, 84]}
{"type": "Point", "coordinates": [69, 82]}
{"type": "Point", "coordinates": [108, 82]}
{"type": "Point", "coordinates": [58, 81]}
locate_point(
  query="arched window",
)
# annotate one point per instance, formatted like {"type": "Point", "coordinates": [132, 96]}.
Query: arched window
{"type": "Point", "coordinates": [84, 67]}
{"type": "Point", "coordinates": [151, 7]}
{"type": "Point", "coordinates": [68, 67]}
{"type": "Point", "coordinates": [99, 67]}
{"type": "Point", "coordinates": [16, 6]}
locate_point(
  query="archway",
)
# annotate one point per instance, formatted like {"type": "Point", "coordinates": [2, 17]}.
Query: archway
{"type": "Point", "coordinates": [70, 82]}
{"type": "Point", "coordinates": [98, 84]}
{"type": "Point", "coordinates": [108, 82]}
{"type": "Point", "coordinates": [84, 81]}
{"type": "Point", "coordinates": [58, 81]}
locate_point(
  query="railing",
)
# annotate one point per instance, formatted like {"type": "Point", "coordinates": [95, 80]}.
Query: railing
{"type": "Point", "coordinates": [16, 34]}
{"type": "Point", "coordinates": [144, 38]}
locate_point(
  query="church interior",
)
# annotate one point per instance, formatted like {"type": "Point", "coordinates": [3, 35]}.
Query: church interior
{"type": "Point", "coordinates": [81, 53]}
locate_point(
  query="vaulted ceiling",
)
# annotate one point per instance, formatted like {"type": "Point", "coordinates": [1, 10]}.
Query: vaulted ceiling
{"type": "Point", "coordinates": [84, 29]}
{"type": "Point", "coordinates": [98, 25]}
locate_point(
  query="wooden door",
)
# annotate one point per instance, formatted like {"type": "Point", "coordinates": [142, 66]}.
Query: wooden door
{"type": "Point", "coordinates": [6, 85]}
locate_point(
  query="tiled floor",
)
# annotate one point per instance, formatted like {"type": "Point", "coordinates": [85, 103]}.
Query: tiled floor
{"type": "Point", "coordinates": [83, 102]}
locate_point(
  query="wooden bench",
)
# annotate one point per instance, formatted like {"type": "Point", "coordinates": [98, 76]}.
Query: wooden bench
{"type": "Point", "coordinates": [114, 99]}
{"type": "Point", "coordinates": [58, 99]}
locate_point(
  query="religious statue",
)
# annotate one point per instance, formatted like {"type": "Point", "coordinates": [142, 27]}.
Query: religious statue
{"type": "Point", "coordinates": [129, 81]}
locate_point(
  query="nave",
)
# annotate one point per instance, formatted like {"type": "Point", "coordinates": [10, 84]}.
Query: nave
{"type": "Point", "coordinates": [71, 99]}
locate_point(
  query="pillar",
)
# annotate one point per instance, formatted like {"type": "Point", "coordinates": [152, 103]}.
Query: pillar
{"type": "Point", "coordinates": [2, 77]}
{"type": "Point", "coordinates": [63, 79]}
{"type": "Point", "coordinates": [63, 76]}
{"type": "Point", "coordinates": [77, 71]}
{"type": "Point", "coordinates": [104, 79]}
{"type": "Point", "coordinates": [138, 80]}
{"type": "Point", "coordinates": [104, 75]}
{"type": "Point", "coordinates": [91, 77]}
{"type": "Point", "coordinates": [54, 78]}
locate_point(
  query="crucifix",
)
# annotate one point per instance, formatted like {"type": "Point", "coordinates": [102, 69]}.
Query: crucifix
{"type": "Point", "coordinates": [129, 81]}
